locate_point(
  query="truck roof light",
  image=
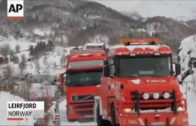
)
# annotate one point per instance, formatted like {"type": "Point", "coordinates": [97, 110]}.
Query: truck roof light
{"type": "Point", "coordinates": [132, 54]}
{"type": "Point", "coordinates": [138, 51]}
{"type": "Point", "coordinates": [156, 53]}
{"type": "Point", "coordinates": [122, 53]}
{"type": "Point", "coordinates": [149, 50]}
{"type": "Point", "coordinates": [164, 49]}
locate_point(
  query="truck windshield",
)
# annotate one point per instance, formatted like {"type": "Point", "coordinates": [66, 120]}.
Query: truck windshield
{"type": "Point", "coordinates": [134, 66]}
{"type": "Point", "coordinates": [85, 63]}
{"type": "Point", "coordinates": [83, 78]}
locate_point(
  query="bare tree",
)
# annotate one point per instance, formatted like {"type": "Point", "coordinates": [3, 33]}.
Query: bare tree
{"type": "Point", "coordinates": [22, 64]}
{"type": "Point", "coordinates": [17, 48]}
{"type": "Point", "coordinates": [14, 58]}
{"type": "Point", "coordinates": [5, 50]}
{"type": "Point", "coordinates": [8, 72]}
{"type": "Point", "coordinates": [37, 66]}
{"type": "Point", "coordinates": [31, 49]}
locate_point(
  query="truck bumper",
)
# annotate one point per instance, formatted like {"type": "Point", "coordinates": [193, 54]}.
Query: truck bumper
{"type": "Point", "coordinates": [154, 119]}
{"type": "Point", "coordinates": [80, 111]}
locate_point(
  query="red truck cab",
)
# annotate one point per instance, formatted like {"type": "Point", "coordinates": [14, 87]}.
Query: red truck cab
{"type": "Point", "coordinates": [139, 87]}
{"type": "Point", "coordinates": [83, 72]}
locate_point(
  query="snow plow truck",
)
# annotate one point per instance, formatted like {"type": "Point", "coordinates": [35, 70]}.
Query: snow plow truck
{"type": "Point", "coordinates": [139, 86]}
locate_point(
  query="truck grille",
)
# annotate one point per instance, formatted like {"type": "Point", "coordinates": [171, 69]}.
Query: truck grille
{"type": "Point", "coordinates": [82, 97]}
{"type": "Point", "coordinates": [84, 108]}
{"type": "Point", "coordinates": [151, 103]}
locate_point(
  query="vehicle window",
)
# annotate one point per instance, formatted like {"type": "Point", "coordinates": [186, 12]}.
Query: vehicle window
{"type": "Point", "coordinates": [85, 63]}
{"type": "Point", "coordinates": [144, 66]}
{"type": "Point", "coordinates": [83, 78]}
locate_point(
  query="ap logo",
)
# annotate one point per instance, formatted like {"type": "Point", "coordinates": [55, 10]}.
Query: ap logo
{"type": "Point", "coordinates": [15, 8]}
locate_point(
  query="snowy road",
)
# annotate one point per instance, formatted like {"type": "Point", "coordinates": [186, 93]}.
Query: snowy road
{"type": "Point", "coordinates": [63, 119]}
{"type": "Point", "coordinates": [191, 101]}
{"type": "Point", "coordinates": [192, 108]}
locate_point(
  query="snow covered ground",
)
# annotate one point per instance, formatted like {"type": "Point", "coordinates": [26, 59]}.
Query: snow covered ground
{"type": "Point", "coordinates": [63, 118]}
{"type": "Point", "coordinates": [189, 90]}
{"type": "Point", "coordinates": [191, 100]}
{"type": "Point", "coordinates": [39, 90]}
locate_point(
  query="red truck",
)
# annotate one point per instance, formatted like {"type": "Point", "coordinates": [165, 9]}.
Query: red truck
{"type": "Point", "coordinates": [139, 87]}
{"type": "Point", "coordinates": [83, 72]}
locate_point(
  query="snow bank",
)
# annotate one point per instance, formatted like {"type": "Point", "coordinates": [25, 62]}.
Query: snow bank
{"type": "Point", "coordinates": [187, 45]}
{"type": "Point", "coordinates": [187, 50]}
{"type": "Point", "coordinates": [189, 91]}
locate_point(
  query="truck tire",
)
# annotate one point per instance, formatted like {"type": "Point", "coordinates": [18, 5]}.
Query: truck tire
{"type": "Point", "coordinates": [113, 114]}
{"type": "Point", "coordinates": [100, 121]}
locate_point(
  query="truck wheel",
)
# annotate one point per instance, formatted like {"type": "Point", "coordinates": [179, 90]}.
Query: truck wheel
{"type": "Point", "coordinates": [113, 114]}
{"type": "Point", "coordinates": [100, 121]}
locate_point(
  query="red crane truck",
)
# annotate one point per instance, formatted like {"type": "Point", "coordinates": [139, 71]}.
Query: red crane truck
{"type": "Point", "coordinates": [139, 87]}
{"type": "Point", "coordinates": [83, 72]}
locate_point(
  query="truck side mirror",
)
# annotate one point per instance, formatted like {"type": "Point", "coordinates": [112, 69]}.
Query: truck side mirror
{"type": "Point", "coordinates": [177, 68]}
{"type": "Point", "coordinates": [106, 69]}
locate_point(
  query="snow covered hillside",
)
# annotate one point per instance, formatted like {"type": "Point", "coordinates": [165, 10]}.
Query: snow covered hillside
{"type": "Point", "coordinates": [18, 51]}
{"type": "Point", "coordinates": [4, 98]}
{"type": "Point", "coordinates": [181, 10]}
{"type": "Point", "coordinates": [187, 50]}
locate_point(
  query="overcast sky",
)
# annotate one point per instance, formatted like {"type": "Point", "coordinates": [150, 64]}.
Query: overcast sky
{"type": "Point", "coordinates": [179, 9]}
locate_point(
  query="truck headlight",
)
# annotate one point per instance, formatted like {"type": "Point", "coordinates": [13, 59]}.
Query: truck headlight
{"type": "Point", "coordinates": [156, 95]}
{"type": "Point", "coordinates": [180, 109]}
{"type": "Point", "coordinates": [146, 96]}
{"type": "Point", "coordinates": [166, 95]}
{"type": "Point", "coordinates": [127, 110]}
{"type": "Point", "coordinates": [75, 98]}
